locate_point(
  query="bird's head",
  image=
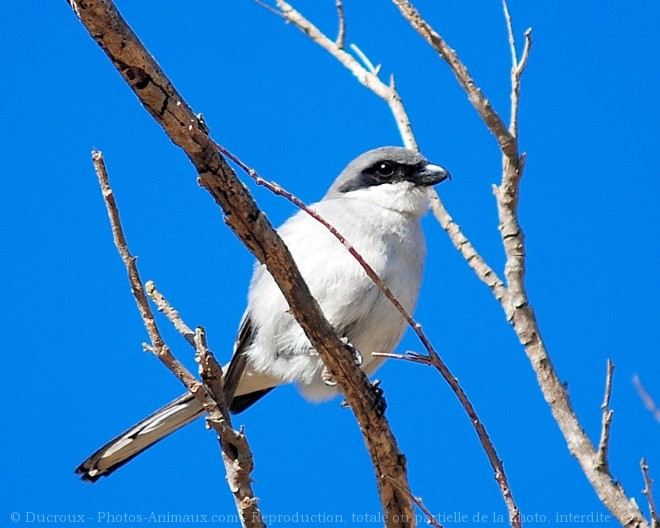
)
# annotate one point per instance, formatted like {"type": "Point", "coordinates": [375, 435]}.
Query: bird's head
{"type": "Point", "coordinates": [394, 178]}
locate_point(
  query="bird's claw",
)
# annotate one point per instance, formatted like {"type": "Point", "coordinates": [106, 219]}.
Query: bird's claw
{"type": "Point", "coordinates": [357, 356]}
{"type": "Point", "coordinates": [380, 404]}
{"type": "Point", "coordinates": [327, 376]}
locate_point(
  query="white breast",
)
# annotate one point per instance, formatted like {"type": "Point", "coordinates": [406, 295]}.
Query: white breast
{"type": "Point", "coordinates": [389, 241]}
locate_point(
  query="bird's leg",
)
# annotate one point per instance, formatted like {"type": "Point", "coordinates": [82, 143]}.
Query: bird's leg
{"type": "Point", "coordinates": [327, 376]}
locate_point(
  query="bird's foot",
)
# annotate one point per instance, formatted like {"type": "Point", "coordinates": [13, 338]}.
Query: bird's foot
{"type": "Point", "coordinates": [380, 404]}
{"type": "Point", "coordinates": [327, 376]}
{"type": "Point", "coordinates": [357, 356]}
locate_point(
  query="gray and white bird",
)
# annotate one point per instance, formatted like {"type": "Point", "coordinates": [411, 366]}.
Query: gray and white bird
{"type": "Point", "coordinates": [376, 203]}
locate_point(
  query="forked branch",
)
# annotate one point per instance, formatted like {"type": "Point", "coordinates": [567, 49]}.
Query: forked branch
{"type": "Point", "coordinates": [515, 303]}
{"type": "Point", "coordinates": [479, 101]}
{"type": "Point", "coordinates": [237, 455]}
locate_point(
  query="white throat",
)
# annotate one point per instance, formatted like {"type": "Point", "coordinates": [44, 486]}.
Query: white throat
{"type": "Point", "coordinates": [402, 197]}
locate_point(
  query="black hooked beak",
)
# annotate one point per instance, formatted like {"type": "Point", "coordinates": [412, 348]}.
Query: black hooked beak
{"type": "Point", "coordinates": [430, 175]}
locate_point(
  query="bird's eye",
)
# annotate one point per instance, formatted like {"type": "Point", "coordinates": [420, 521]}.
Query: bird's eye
{"type": "Point", "coordinates": [385, 169]}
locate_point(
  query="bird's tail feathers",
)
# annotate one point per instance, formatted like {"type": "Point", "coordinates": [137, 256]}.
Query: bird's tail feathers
{"type": "Point", "coordinates": [132, 442]}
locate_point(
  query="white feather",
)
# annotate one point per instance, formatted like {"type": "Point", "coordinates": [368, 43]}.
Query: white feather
{"type": "Point", "coordinates": [382, 223]}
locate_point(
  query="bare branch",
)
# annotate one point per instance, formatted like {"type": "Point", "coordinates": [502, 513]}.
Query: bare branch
{"type": "Point", "coordinates": [169, 109]}
{"type": "Point", "coordinates": [512, 38]}
{"type": "Point", "coordinates": [341, 32]}
{"type": "Point", "coordinates": [160, 349]}
{"type": "Point", "coordinates": [165, 308]}
{"type": "Point", "coordinates": [526, 50]}
{"type": "Point", "coordinates": [211, 372]}
{"type": "Point", "coordinates": [237, 455]}
{"type": "Point", "coordinates": [366, 76]}
{"type": "Point", "coordinates": [413, 357]}
{"type": "Point", "coordinates": [523, 318]}
{"type": "Point", "coordinates": [516, 75]}
{"type": "Point", "coordinates": [483, 271]}
{"type": "Point", "coordinates": [515, 303]}
{"type": "Point", "coordinates": [606, 422]}
{"type": "Point", "coordinates": [269, 8]}
{"type": "Point", "coordinates": [481, 104]}
{"type": "Point", "coordinates": [649, 403]}
{"type": "Point", "coordinates": [236, 452]}
{"type": "Point", "coordinates": [365, 60]}
{"type": "Point", "coordinates": [655, 519]}
{"type": "Point", "coordinates": [517, 68]}
{"type": "Point", "coordinates": [430, 518]}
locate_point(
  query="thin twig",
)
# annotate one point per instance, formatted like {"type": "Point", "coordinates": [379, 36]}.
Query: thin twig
{"type": "Point", "coordinates": [237, 455]}
{"type": "Point", "coordinates": [523, 318]}
{"type": "Point", "coordinates": [413, 357]}
{"type": "Point", "coordinates": [606, 421]}
{"type": "Point", "coordinates": [365, 76]}
{"type": "Point", "coordinates": [430, 518]}
{"type": "Point", "coordinates": [516, 76]}
{"type": "Point", "coordinates": [481, 104]}
{"type": "Point", "coordinates": [269, 8]}
{"type": "Point", "coordinates": [366, 61]}
{"type": "Point", "coordinates": [341, 32]}
{"type": "Point", "coordinates": [512, 39]}
{"type": "Point", "coordinates": [166, 308]}
{"type": "Point", "coordinates": [517, 68]}
{"type": "Point", "coordinates": [655, 519]}
{"type": "Point", "coordinates": [483, 271]}
{"type": "Point", "coordinates": [161, 350]}
{"type": "Point", "coordinates": [524, 59]}
{"type": "Point", "coordinates": [649, 403]}
{"type": "Point", "coordinates": [209, 369]}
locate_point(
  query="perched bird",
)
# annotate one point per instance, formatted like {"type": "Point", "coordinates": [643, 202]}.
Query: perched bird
{"type": "Point", "coordinates": [376, 203]}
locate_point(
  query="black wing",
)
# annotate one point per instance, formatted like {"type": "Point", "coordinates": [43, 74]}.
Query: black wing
{"type": "Point", "coordinates": [237, 404]}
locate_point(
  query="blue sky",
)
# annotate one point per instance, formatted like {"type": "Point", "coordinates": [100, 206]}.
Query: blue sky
{"type": "Point", "coordinates": [75, 374]}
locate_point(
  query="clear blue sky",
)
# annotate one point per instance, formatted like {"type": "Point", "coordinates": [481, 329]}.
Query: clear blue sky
{"type": "Point", "coordinates": [74, 372]}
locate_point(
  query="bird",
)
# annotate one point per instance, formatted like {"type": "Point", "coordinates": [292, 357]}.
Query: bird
{"type": "Point", "coordinates": [376, 203]}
